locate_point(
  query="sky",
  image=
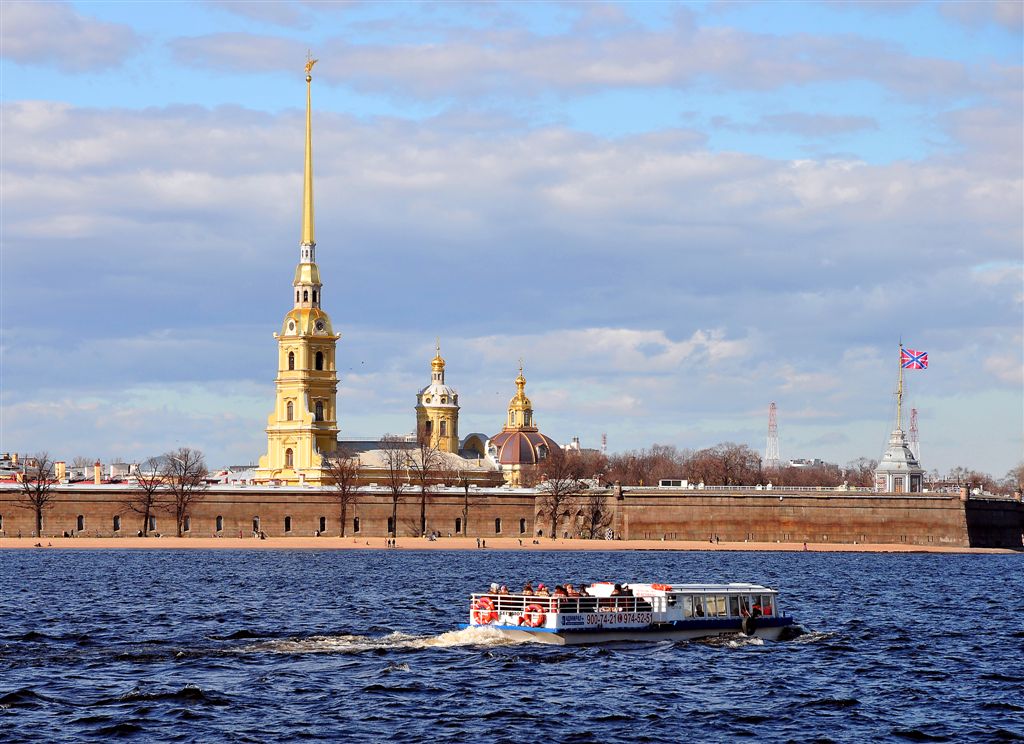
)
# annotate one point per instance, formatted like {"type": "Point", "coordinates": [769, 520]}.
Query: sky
{"type": "Point", "coordinates": [673, 213]}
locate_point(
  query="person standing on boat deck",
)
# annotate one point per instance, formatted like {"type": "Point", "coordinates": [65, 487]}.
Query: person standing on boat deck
{"type": "Point", "coordinates": [542, 591]}
{"type": "Point", "coordinates": [528, 589]}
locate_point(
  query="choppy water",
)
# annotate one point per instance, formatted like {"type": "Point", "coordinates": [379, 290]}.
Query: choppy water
{"type": "Point", "coordinates": [363, 646]}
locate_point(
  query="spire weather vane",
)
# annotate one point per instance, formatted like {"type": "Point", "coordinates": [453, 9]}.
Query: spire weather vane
{"type": "Point", "coordinates": [310, 62]}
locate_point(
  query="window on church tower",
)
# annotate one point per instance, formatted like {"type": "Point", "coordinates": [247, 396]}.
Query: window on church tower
{"type": "Point", "coordinates": [291, 360]}
{"type": "Point", "coordinates": [542, 452]}
{"type": "Point", "coordinates": [289, 458]}
{"type": "Point", "coordinates": [428, 428]}
{"type": "Point", "coordinates": [444, 428]}
{"type": "Point", "coordinates": [526, 418]}
{"type": "Point", "coordinates": [319, 410]}
{"type": "Point", "coordinates": [444, 399]}
{"type": "Point", "coordinates": [305, 295]}
{"type": "Point", "coordinates": [320, 360]}
{"type": "Point", "coordinates": [296, 295]}
{"type": "Point", "coordinates": [314, 295]}
{"type": "Point", "coordinates": [290, 411]}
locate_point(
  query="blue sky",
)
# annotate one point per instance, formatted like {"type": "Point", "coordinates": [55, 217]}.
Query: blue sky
{"type": "Point", "coordinates": [675, 213]}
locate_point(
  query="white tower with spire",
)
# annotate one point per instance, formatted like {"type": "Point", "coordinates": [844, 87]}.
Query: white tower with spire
{"type": "Point", "coordinates": [899, 471]}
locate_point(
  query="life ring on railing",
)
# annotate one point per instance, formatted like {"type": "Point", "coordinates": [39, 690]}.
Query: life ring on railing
{"type": "Point", "coordinates": [661, 587]}
{"type": "Point", "coordinates": [533, 616]}
{"type": "Point", "coordinates": [483, 611]}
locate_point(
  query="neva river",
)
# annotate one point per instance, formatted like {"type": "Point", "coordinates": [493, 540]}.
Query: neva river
{"type": "Point", "coordinates": [261, 646]}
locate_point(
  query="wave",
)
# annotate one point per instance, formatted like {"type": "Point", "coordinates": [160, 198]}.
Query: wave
{"type": "Point", "coordinates": [324, 644]}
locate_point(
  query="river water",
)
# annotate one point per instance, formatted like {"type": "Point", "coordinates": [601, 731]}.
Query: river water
{"type": "Point", "coordinates": [258, 646]}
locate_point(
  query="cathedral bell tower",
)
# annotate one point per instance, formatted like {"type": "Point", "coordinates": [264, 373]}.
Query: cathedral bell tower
{"type": "Point", "coordinates": [437, 410]}
{"type": "Point", "coordinates": [304, 423]}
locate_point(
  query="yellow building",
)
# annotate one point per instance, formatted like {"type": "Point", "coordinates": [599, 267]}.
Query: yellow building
{"type": "Point", "coordinates": [304, 422]}
{"type": "Point", "coordinates": [437, 410]}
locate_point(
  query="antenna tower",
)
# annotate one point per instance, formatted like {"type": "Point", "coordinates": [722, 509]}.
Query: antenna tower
{"type": "Point", "coordinates": [604, 443]}
{"type": "Point", "coordinates": [915, 444]}
{"type": "Point", "coordinates": [771, 452]}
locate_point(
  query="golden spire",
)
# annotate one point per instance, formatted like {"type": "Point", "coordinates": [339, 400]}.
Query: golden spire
{"type": "Point", "coordinates": [520, 380]}
{"type": "Point", "coordinates": [307, 190]}
{"type": "Point", "coordinates": [437, 363]}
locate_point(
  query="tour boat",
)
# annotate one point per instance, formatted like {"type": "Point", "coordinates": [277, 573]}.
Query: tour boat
{"type": "Point", "coordinates": [632, 612]}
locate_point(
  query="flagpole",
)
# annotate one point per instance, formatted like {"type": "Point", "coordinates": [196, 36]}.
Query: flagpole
{"type": "Point", "coordinates": [899, 394]}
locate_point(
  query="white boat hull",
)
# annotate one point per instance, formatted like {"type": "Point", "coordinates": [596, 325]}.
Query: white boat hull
{"type": "Point", "coordinates": [577, 638]}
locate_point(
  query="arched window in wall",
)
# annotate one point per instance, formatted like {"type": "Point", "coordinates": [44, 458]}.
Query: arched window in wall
{"type": "Point", "coordinates": [305, 295]}
{"type": "Point", "coordinates": [526, 418]}
{"type": "Point", "coordinates": [296, 295]}
{"type": "Point", "coordinates": [444, 428]}
{"type": "Point", "coordinates": [542, 452]}
{"type": "Point", "coordinates": [287, 524]}
{"type": "Point", "coordinates": [319, 410]}
{"type": "Point", "coordinates": [522, 526]}
{"type": "Point", "coordinates": [320, 360]}
{"type": "Point", "coordinates": [80, 523]}
{"type": "Point", "coordinates": [355, 524]}
{"type": "Point", "coordinates": [291, 360]}
{"type": "Point", "coordinates": [497, 526]}
{"type": "Point", "coordinates": [220, 523]}
{"type": "Point", "coordinates": [428, 427]}
{"type": "Point", "coordinates": [290, 408]}
{"type": "Point", "coordinates": [458, 525]}
{"type": "Point", "coordinates": [314, 295]}
{"type": "Point", "coordinates": [511, 418]}
{"type": "Point", "coordinates": [289, 458]}
{"type": "Point", "coordinates": [117, 523]}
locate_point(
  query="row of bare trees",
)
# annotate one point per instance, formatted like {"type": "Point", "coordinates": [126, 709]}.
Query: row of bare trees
{"type": "Point", "coordinates": [171, 483]}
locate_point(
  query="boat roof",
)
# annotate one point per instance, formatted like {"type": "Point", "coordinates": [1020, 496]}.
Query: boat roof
{"type": "Point", "coordinates": [731, 587]}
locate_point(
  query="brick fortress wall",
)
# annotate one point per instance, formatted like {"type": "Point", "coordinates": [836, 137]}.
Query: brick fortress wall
{"type": "Point", "coordinates": [636, 513]}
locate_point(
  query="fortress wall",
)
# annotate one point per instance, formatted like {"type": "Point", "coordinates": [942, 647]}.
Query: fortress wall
{"type": "Point", "coordinates": [936, 519]}
{"type": "Point", "coordinates": [239, 507]}
{"type": "Point", "coordinates": [827, 517]}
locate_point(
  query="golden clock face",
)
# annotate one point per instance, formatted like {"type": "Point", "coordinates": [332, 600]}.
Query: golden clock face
{"type": "Point", "coordinates": [291, 326]}
{"type": "Point", "coordinates": [320, 326]}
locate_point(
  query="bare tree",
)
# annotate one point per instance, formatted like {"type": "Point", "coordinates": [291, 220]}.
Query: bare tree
{"type": "Point", "coordinates": [342, 467]}
{"type": "Point", "coordinates": [149, 497]}
{"type": "Point", "coordinates": [185, 472]}
{"type": "Point", "coordinates": [37, 483]}
{"type": "Point", "coordinates": [597, 517]}
{"type": "Point", "coordinates": [1014, 480]}
{"type": "Point", "coordinates": [560, 482]}
{"type": "Point", "coordinates": [425, 464]}
{"type": "Point", "coordinates": [395, 459]}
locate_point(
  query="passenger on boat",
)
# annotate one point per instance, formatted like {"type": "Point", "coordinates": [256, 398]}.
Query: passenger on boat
{"type": "Point", "coordinates": [542, 591]}
{"type": "Point", "coordinates": [494, 587]}
{"type": "Point", "coordinates": [560, 592]}
{"type": "Point", "coordinates": [570, 591]}
{"type": "Point", "coordinates": [502, 589]}
{"type": "Point", "coordinates": [528, 589]}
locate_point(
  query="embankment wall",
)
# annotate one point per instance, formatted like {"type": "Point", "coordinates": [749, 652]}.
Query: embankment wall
{"type": "Point", "coordinates": [633, 513]}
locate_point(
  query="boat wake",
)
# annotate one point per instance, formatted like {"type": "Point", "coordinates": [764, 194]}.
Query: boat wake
{"type": "Point", "coordinates": [354, 644]}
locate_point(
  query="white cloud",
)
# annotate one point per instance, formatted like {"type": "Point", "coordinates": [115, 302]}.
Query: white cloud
{"type": "Point", "coordinates": [53, 34]}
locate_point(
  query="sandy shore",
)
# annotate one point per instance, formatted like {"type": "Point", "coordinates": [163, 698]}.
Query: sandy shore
{"type": "Point", "coordinates": [450, 543]}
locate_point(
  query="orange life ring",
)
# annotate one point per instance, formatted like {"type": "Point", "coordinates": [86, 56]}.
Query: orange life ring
{"type": "Point", "coordinates": [661, 587]}
{"type": "Point", "coordinates": [533, 616]}
{"type": "Point", "coordinates": [483, 611]}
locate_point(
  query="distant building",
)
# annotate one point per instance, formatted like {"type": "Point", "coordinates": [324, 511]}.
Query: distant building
{"type": "Point", "coordinates": [437, 410]}
{"type": "Point", "coordinates": [520, 446]}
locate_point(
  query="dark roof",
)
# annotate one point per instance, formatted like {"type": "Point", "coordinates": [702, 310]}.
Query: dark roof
{"type": "Point", "coordinates": [520, 447]}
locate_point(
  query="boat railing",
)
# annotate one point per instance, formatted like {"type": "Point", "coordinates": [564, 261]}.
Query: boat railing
{"type": "Point", "coordinates": [516, 604]}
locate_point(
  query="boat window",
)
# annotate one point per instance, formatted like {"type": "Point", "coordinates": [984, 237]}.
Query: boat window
{"type": "Point", "coordinates": [693, 606]}
{"type": "Point", "coordinates": [734, 606]}
{"type": "Point", "coordinates": [767, 606]}
{"type": "Point", "coordinates": [714, 606]}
